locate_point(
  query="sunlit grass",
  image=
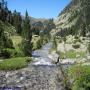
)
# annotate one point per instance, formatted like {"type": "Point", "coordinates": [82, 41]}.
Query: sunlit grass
{"type": "Point", "coordinates": [14, 63]}
{"type": "Point", "coordinates": [72, 54]}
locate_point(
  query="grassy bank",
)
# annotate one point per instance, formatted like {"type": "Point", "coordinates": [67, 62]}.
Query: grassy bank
{"type": "Point", "coordinates": [14, 63]}
{"type": "Point", "coordinates": [81, 77]}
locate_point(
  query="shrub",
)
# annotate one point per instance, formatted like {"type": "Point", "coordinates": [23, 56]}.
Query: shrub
{"type": "Point", "coordinates": [8, 53]}
{"type": "Point", "coordinates": [26, 47]}
{"type": "Point", "coordinates": [8, 43]}
{"type": "Point", "coordinates": [28, 60]}
{"type": "Point", "coordinates": [76, 40]}
{"type": "Point", "coordinates": [19, 53]}
{"type": "Point", "coordinates": [76, 37]}
{"type": "Point", "coordinates": [5, 41]}
{"type": "Point", "coordinates": [76, 46]}
{"type": "Point", "coordinates": [37, 44]}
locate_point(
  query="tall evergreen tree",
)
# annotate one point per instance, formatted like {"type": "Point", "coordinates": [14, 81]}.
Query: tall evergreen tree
{"type": "Point", "coordinates": [17, 21]}
{"type": "Point", "coordinates": [10, 17]}
{"type": "Point", "coordinates": [26, 28]}
{"type": "Point", "coordinates": [27, 35]}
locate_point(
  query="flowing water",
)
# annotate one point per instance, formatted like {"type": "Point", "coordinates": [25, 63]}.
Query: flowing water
{"type": "Point", "coordinates": [41, 74]}
{"type": "Point", "coordinates": [42, 56]}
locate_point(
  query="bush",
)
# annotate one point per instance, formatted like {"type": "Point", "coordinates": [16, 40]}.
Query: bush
{"type": "Point", "coordinates": [76, 37]}
{"type": "Point", "coordinates": [45, 40]}
{"type": "Point", "coordinates": [26, 48]}
{"type": "Point", "coordinates": [77, 40]}
{"type": "Point", "coordinates": [8, 43]}
{"type": "Point", "coordinates": [37, 43]}
{"type": "Point", "coordinates": [14, 63]}
{"type": "Point", "coordinates": [5, 41]}
{"type": "Point", "coordinates": [76, 46]}
{"type": "Point", "coordinates": [8, 53]}
{"type": "Point", "coordinates": [28, 60]}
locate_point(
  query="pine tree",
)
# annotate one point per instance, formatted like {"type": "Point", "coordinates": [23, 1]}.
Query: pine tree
{"type": "Point", "coordinates": [3, 10]}
{"type": "Point", "coordinates": [27, 36]}
{"type": "Point", "coordinates": [17, 21]}
{"type": "Point", "coordinates": [1, 38]}
{"type": "Point", "coordinates": [10, 17]}
{"type": "Point", "coordinates": [26, 27]}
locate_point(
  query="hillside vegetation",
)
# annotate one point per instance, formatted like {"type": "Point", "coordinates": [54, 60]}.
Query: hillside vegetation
{"type": "Point", "coordinates": [8, 28]}
{"type": "Point", "coordinates": [74, 18]}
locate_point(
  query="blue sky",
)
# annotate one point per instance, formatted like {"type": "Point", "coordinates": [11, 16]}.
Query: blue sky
{"type": "Point", "coordinates": [39, 8]}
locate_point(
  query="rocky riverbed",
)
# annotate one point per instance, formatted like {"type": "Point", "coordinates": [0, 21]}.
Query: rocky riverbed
{"type": "Point", "coordinates": [41, 74]}
{"type": "Point", "coordinates": [33, 78]}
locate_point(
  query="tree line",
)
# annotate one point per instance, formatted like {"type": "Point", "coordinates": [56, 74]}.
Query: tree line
{"type": "Point", "coordinates": [22, 26]}
{"type": "Point", "coordinates": [14, 18]}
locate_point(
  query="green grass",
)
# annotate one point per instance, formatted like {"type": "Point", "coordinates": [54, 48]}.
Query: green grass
{"type": "Point", "coordinates": [81, 76]}
{"type": "Point", "coordinates": [72, 54]}
{"type": "Point", "coordinates": [14, 63]}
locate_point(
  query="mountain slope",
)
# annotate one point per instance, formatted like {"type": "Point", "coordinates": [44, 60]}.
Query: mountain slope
{"type": "Point", "coordinates": [34, 20]}
{"type": "Point", "coordinates": [76, 15]}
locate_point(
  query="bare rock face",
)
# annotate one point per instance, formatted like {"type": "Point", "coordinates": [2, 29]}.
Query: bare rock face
{"type": "Point", "coordinates": [33, 78]}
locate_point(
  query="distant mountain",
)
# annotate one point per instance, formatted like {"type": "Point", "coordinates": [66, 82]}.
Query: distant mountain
{"type": "Point", "coordinates": [34, 20]}
{"type": "Point", "coordinates": [76, 16]}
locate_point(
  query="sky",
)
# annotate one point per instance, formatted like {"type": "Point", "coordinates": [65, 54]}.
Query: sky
{"type": "Point", "coordinates": [38, 8]}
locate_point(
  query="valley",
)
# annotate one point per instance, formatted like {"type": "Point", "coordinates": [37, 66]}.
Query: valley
{"type": "Point", "coordinates": [45, 53]}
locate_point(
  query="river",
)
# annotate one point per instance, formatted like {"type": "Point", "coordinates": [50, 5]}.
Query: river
{"type": "Point", "coordinates": [41, 74]}
{"type": "Point", "coordinates": [41, 56]}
